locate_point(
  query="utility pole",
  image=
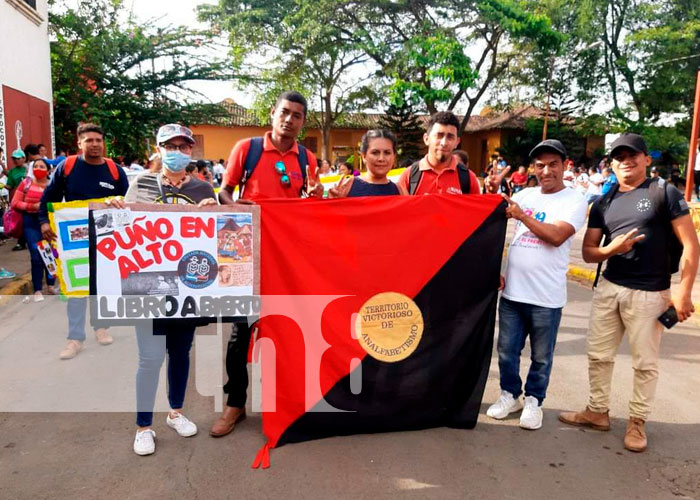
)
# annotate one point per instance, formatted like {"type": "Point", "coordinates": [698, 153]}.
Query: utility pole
{"type": "Point", "coordinates": [692, 151]}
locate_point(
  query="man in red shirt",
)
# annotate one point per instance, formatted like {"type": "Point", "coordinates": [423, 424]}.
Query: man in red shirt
{"type": "Point", "coordinates": [276, 174]}
{"type": "Point", "coordinates": [438, 171]}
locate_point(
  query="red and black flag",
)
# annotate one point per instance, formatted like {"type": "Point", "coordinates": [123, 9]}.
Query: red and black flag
{"type": "Point", "coordinates": [402, 339]}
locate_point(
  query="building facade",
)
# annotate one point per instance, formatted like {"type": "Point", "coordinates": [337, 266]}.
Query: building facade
{"type": "Point", "coordinates": [26, 104]}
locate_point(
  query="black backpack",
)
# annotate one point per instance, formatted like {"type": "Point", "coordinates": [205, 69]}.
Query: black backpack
{"type": "Point", "coordinates": [657, 193]}
{"type": "Point", "coordinates": [416, 174]}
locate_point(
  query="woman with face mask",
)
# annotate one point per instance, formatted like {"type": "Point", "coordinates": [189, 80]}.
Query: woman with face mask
{"type": "Point", "coordinates": [26, 201]}
{"type": "Point", "coordinates": [171, 185]}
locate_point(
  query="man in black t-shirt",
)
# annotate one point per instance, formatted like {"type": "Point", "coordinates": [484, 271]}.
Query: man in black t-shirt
{"type": "Point", "coordinates": [89, 177]}
{"type": "Point", "coordinates": [638, 219]}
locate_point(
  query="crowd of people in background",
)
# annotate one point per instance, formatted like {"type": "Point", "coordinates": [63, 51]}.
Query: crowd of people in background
{"type": "Point", "coordinates": [534, 282]}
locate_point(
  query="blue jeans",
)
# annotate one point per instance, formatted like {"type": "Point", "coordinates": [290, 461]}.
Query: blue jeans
{"type": "Point", "coordinates": [517, 320]}
{"type": "Point", "coordinates": [77, 310]}
{"type": "Point", "coordinates": [153, 343]}
{"type": "Point", "coordinates": [32, 233]}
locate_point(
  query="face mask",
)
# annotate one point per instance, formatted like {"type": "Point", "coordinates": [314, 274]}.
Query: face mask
{"type": "Point", "coordinates": [40, 174]}
{"type": "Point", "coordinates": [175, 161]}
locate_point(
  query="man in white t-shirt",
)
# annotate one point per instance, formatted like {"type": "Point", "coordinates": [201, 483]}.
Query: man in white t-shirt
{"type": "Point", "coordinates": [595, 185]}
{"type": "Point", "coordinates": [534, 293]}
{"type": "Point", "coordinates": [219, 171]}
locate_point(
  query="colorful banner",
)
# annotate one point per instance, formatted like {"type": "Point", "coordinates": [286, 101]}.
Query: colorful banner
{"type": "Point", "coordinates": [173, 261]}
{"type": "Point", "coordinates": [404, 339]}
{"type": "Point", "coordinates": [69, 222]}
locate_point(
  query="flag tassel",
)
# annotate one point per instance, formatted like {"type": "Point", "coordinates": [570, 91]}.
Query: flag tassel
{"type": "Point", "coordinates": [262, 458]}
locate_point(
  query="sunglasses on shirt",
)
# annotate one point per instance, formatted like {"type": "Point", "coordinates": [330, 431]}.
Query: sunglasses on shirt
{"type": "Point", "coordinates": [282, 171]}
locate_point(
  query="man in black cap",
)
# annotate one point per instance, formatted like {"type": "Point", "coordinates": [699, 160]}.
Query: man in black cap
{"type": "Point", "coordinates": [534, 293]}
{"type": "Point", "coordinates": [645, 223]}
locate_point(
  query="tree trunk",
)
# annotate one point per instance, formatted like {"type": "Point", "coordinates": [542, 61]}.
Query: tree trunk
{"type": "Point", "coordinates": [326, 123]}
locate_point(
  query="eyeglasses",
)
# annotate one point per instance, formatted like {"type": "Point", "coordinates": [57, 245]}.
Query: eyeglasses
{"type": "Point", "coordinates": [282, 171]}
{"type": "Point", "coordinates": [183, 148]}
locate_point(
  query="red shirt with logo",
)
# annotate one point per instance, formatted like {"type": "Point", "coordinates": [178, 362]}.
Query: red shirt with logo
{"type": "Point", "coordinates": [265, 182]}
{"type": "Point", "coordinates": [445, 182]}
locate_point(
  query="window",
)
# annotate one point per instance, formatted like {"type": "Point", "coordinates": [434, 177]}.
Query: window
{"type": "Point", "coordinates": [311, 143]}
{"type": "Point", "coordinates": [28, 9]}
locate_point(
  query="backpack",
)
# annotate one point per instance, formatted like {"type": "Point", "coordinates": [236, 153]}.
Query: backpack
{"type": "Point", "coordinates": [462, 172]}
{"type": "Point", "coordinates": [253, 157]}
{"type": "Point", "coordinates": [12, 220]}
{"type": "Point", "coordinates": [70, 163]}
{"type": "Point", "coordinates": [657, 193]}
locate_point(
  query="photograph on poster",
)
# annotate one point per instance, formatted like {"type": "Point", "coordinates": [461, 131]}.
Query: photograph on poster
{"type": "Point", "coordinates": [234, 238]}
{"type": "Point", "coordinates": [151, 283]}
{"type": "Point", "coordinates": [78, 233]}
{"type": "Point", "coordinates": [235, 274]}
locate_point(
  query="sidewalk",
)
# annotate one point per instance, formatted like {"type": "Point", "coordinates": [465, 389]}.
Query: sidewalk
{"type": "Point", "coordinates": [18, 263]}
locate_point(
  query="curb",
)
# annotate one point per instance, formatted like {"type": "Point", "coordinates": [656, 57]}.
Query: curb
{"type": "Point", "coordinates": [21, 285]}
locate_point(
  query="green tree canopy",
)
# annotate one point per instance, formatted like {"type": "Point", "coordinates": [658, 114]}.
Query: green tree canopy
{"type": "Point", "coordinates": [128, 77]}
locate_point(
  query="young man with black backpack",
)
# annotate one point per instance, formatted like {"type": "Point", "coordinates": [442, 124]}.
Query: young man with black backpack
{"type": "Point", "coordinates": [440, 171]}
{"type": "Point", "coordinates": [273, 166]}
{"type": "Point", "coordinates": [648, 235]}
{"type": "Point", "coordinates": [84, 177]}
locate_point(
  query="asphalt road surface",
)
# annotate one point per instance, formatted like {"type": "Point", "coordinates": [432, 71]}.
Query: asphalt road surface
{"type": "Point", "coordinates": [66, 431]}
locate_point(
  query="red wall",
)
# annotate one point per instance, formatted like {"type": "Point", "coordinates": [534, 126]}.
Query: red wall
{"type": "Point", "coordinates": [33, 113]}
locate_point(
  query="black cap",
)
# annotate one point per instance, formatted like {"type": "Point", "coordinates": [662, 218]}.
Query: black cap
{"type": "Point", "coordinates": [628, 140]}
{"type": "Point", "coordinates": [551, 145]}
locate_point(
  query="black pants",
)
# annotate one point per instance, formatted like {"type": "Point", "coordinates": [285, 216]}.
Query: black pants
{"type": "Point", "coordinates": [697, 183]}
{"type": "Point", "coordinates": [236, 365]}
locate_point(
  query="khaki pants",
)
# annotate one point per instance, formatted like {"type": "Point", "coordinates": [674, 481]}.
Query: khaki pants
{"type": "Point", "coordinates": [618, 310]}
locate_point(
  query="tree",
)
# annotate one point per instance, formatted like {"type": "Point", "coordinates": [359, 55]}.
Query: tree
{"type": "Point", "coordinates": [408, 129]}
{"type": "Point", "coordinates": [422, 46]}
{"type": "Point", "coordinates": [127, 77]}
{"type": "Point", "coordinates": [295, 48]}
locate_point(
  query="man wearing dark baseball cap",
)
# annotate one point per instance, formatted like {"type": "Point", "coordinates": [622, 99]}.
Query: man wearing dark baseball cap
{"type": "Point", "coordinates": [534, 285]}
{"type": "Point", "coordinates": [550, 145]}
{"type": "Point", "coordinates": [640, 219]}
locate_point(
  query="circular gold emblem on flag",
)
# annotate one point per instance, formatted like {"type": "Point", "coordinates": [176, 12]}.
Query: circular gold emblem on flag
{"type": "Point", "coordinates": [389, 326]}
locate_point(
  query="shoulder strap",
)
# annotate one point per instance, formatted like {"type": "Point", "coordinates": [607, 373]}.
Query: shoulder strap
{"type": "Point", "coordinates": [604, 203]}
{"type": "Point", "coordinates": [252, 158]}
{"type": "Point", "coordinates": [69, 164]}
{"type": "Point", "coordinates": [414, 177]}
{"type": "Point", "coordinates": [112, 168]}
{"type": "Point", "coordinates": [303, 163]}
{"type": "Point", "coordinates": [658, 195]}
{"type": "Point", "coordinates": [27, 184]}
{"type": "Point", "coordinates": [465, 178]}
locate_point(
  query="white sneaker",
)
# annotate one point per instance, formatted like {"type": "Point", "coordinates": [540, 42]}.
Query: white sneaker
{"type": "Point", "coordinates": [505, 405]}
{"type": "Point", "coordinates": [144, 442]}
{"type": "Point", "coordinates": [531, 418]}
{"type": "Point", "coordinates": [182, 425]}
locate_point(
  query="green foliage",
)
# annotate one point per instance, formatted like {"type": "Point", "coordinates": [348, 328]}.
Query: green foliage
{"type": "Point", "coordinates": [408, 129]}
{"type": "Point", "coordinates": [288, 45]}
{"type": "Point", "coordinates": [130, 78]}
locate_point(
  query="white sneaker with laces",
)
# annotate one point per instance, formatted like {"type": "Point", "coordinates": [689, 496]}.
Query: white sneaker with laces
{"type": "Point", "coordinates": [531, 418]}
{"type": "Point", "coordinates": [505, 405]}
{"type": "Point", "coordinates": [144, 442]}
{"type": "Point", "coordinates": [182, 425]}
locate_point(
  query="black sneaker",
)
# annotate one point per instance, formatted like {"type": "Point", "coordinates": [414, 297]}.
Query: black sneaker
{"type": "Point", "coordinates": [19, 247]}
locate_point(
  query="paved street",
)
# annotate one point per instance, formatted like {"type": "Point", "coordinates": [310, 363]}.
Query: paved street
{"type": "Point", "coordinates": [87, 454]}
